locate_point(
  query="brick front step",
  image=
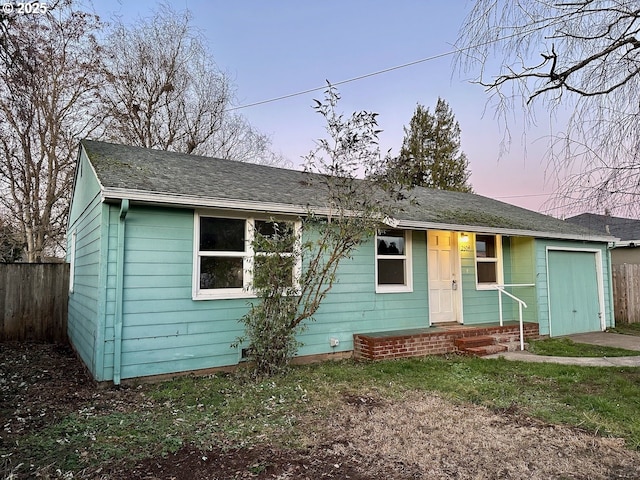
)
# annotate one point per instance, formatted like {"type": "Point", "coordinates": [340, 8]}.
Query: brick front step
{"type": "Point", "coordinates": [485, 350]}
{"type": "Point", "coordinates": [465, 343]}
{"type": "Point", "coordinates": [434, 340]}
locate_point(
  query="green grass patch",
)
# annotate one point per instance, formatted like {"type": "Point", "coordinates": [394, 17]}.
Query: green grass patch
{"type": "Point", "coordinates": [628, 329]}
{"type": "Point", "coordinates": [79, 440]}
{"type": "Point", "coordinates": [229, 410]}
{"type": "Point", "coordinates": [564, 347]}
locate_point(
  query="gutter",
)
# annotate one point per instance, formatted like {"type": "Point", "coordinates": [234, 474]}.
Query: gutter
{"type": "Point", "coordinates": [627, 243]}
{"type": "Point", "coordinates": [412, 224]}
{"type": "Point", "coordinates": [117, 340]}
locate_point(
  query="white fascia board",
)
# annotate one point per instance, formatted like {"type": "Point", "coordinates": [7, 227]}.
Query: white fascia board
{"type": "Point", "coordinates": [500, 231]}
{"type": "Point", "coordinates": [199, 202]}
{"type": "Point", "coordinates": [193, 201]}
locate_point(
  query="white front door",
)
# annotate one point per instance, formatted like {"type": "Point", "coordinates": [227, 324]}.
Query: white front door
{"type": "Point", "coordinates": [444, 284]}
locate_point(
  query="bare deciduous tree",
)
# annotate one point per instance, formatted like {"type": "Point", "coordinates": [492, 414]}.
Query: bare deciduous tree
{"type": "Point", "coordinates": [165, 91]}
{"type": "Point", "coordinates": [580, 57]}
{"type": "Point", "coordinates": [48, 84]}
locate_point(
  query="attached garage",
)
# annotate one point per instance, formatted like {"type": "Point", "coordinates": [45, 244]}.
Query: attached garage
{"type": "Point", "coordinates": [576, 294]}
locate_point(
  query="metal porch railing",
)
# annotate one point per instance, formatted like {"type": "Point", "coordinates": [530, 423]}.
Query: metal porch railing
{"type": "Point", "coordinates": [501, 290]}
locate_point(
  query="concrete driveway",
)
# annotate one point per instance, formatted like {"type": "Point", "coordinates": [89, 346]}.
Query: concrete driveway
{"type": "Point", "coordinates": [628, 342]}
{"type": "Point", "coordinates": [604, 339]}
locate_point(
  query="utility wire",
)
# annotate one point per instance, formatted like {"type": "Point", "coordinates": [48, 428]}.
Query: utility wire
{"type": "Point", "coordinates": [525, 196]}
{"type": "Point", "coordinates": [386, 70]}
{"type": "Point", "coordinates": [342, 82]}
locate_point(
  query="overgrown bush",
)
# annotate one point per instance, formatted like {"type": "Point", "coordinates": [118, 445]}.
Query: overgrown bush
{"type": "Point", "coordinates": [271, 341]}
{"type": "Point", "coordinates": [292, 275]}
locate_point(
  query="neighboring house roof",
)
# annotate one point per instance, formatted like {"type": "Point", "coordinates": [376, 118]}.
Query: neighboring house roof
{"type": "Point", "coordinates": [169, 178]}
{"type": "Point", "coordinates": [626, 229]}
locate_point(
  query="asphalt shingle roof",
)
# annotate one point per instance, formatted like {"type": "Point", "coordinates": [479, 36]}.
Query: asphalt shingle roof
{"type": "Point", "coordinates": [623, 228]}
{"type": "Point", "coordinates": [122, 169]}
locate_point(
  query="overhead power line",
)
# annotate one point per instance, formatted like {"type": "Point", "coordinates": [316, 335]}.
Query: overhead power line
{"type": "Point", "coordinates": [342, 82]}
{"type": "Point", "coordinates": [525, 195]}
{"type": "Point", "coordinates": [379, 72]}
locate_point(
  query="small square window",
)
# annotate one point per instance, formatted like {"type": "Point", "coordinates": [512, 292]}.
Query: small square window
{"type": "Point", "coordinates": [263, 277]}
{"type": "Point", "coordinates": [390, 272]}
{"type": "Point", "coordinates": [393, 261]}
{"type": "Point", "coordinates": [485, 246]}
{"type": "Point", "coordinates": [487, 260]}
{"type": "Point", "coordinates": [390, 242]}
{"type": "Point", "coordinates": [273, 230]}
{"type": "Point", "coordinates": [487, 272]}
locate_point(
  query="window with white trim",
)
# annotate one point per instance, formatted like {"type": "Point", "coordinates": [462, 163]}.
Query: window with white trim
{"type": "Point", "coordinates": [224, 256]}
{"type": "Point", "coordinates": [488, 271]}
{"type": "Point", "coordinates": [393, 261]}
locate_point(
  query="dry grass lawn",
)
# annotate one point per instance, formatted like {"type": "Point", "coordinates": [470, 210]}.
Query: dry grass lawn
{"type": "Point", "coordinates": [428, 437]}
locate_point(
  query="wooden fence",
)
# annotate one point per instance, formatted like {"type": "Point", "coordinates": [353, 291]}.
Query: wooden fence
{"type": "Point", "coordinates": [33, 302]}
{"type": "Point", "coordinates": [626, 293]}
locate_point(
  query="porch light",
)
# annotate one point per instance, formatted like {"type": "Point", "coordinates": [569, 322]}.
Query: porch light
{"type": "Point", "coordinates": [464, 237]}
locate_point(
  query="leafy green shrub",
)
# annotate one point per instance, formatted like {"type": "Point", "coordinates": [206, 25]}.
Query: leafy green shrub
{"type": "Point", "coordinates": [269, 329]}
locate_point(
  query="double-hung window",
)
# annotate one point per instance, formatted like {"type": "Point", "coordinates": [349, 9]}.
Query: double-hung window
{"type": "Point", "coordinates": [488, 260]}
{"type": "Point", "coordinates": [224, 256]}
{"type": "Point", "coordinates": [393, 261]}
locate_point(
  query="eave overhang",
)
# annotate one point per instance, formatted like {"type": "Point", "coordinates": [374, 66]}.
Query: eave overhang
{"type": "Point", "coordinates": [110, 194]}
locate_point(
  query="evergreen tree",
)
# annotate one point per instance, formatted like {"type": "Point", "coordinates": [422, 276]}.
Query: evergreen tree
{"type": "Point", "coordinates": [430, 155]}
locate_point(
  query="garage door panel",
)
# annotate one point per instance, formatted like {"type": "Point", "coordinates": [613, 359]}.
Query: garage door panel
{"type": "Point", "coordinates": [574, 305]}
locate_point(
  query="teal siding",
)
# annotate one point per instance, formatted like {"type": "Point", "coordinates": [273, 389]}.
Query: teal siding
{"type": "Point", "coordinates": [352, 306]}
{"type": "Point", "coordinates": [518, 267]}
{"type": "Point", "coordinates": [520, 270]}
{"type": "Point", "coordinates": [85, 189]}
{"type": "Point", "coordinates": [85, 305]}
{"type": "Point", "coordinates": [165, 331]}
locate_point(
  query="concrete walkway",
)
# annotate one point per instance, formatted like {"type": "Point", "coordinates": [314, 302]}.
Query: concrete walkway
{"type": "Point", "coordinates": [628, 342]}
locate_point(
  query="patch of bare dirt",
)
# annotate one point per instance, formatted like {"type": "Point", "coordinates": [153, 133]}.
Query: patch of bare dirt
{"type": "Point", "coordinates": [40, 383]}
{"type": "Point", "coordinates": [262, 462]}
{"type": "Point", "coordinates": [421, 437]}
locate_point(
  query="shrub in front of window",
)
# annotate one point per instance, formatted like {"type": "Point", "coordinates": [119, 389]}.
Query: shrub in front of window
{"type": "Point", "coordinates": [271, 340]}
{"type": "Point", "coordinates": [352, 211]}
